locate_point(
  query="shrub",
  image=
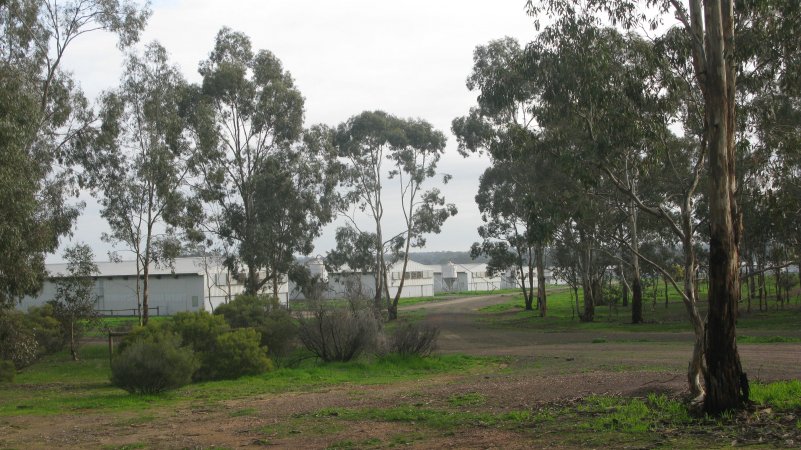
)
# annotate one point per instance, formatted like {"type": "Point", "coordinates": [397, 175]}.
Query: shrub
{"type": "Point", "coordinates": [198, 329]}
{"type": "Point", "coordinates": [339, 334]}
{"type": "Point", "coordinates": [46, 328]}
{"type": "Point", "coordinates": [7, 371]}
{"type": "Point", "coordinates": [220, 352]}
{"type": "Point", "coordinates": [236, 353]}
{"type": "Point", "coordinates": [153, 364]}
{"type": "Point", "coordinates": [410, 339]}
{"type": "Point", "coordinates": [264, 314]}
{"type": "Point", "coordinates": [17, 341]}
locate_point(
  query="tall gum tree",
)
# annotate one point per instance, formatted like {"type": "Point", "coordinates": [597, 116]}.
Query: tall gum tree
{"type": "Point", "coordinates": [503, 126]}
{"type": "Point", "coordinates": [256, 114]}
{"type": "Point", "coordinates": [43, 118]}
{"type": "Point", "coordinates": [140, 163]}
{"type": "Point", "coordinates": [367, 143]}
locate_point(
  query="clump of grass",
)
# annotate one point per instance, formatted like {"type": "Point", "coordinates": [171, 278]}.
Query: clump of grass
{"type": "Point", "coordinates": [598, 341]}
{"type": "Point", "coordinates": [502, 307]}
{"type": "Point", "coordinates": [468, 399]}
{"type": "Point", "coordinates": [782, 395]}
{"type": "Point", "coordinates": [633, 415]}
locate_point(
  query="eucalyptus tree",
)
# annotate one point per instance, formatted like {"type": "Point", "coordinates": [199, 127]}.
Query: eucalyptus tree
{"type": "Point", "coordinates": [365, 143]}
{"type": "Point", "coordinates": [42, 117]}
{"type": "Point", "coordinates": [505, 232]}
{"type": "Point", "coordinates": [75, 299]}
{"type": "Point", "coordinates": [295, 198]}
{"type": "Point", "coordinates": [256, 113]}
{"type": "Point", "coordinates": [415, 157]}
{"type": "Point", "coordinates": [503, 126]}
{"type": "Point", "coordinates": [140, 162]}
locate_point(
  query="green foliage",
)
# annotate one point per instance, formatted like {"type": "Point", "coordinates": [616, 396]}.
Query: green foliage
{"type": "Point", "coordinates": [199, 330]}
{"type": "Point", "coordinates": [222, 353]}
{"type": "Point", "coordinates": [264, 314]}
{"type": "Point", "coordinates": [236, 353]}
{"type": "Point", "coordinates": [153, 365]}
{"type": "Point", "coordinates": [7, 371]}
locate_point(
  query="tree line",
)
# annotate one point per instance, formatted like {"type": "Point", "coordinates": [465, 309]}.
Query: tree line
{"type": "Point", "coordinates": [672, 151]}
{"type": "Point", "coordinates": [225, 168]}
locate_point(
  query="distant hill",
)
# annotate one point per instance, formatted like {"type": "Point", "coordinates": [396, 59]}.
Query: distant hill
{"type": "Point", "coordinates": [435, 258]}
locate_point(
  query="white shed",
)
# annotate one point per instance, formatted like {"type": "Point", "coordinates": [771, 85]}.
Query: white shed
{"type": "Point", "coordinates": [190, 284]}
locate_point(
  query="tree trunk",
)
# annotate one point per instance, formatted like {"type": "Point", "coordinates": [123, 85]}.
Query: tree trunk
{"type": "Point", "coordinates": [541, 299]}
{"type": "Point", "coordinates": [636, 306]}
{"type": "Point", "coordinates": [636, 300]}
{"type": "Point", "coordinates": [145, 290]}
{"type": "Point", "coordinates": [73, 349]}
{"type": "Point", "coordinates": [665, 281]}
{"type": "Point", "coordinates": [726, 383]}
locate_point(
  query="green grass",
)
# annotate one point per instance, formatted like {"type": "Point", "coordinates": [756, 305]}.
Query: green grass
{"type": "Point", "coordinates": [562, 315]}
{"type": "Point", "coordinates": [57, 384]}
{"type": "Point", "coordinates": [432, 418]}
{"type": "Point", "coordinates": [782, 395]}
{"type": "Point", "coordinates": [468, 399]}
{"type": "Point", "coordinates": [742, 339]}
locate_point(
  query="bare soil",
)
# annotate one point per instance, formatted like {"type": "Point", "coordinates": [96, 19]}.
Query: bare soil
{"type": "Point", "coordinates": [547, 368]}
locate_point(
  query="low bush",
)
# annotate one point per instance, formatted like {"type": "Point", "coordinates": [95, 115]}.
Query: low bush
{"type": "Point", "coordinates": [46, 329]}
{"type": "Point", "coordinates": [7, 371]}
{"type": "Point", "coordinates": [153, 364]}
{"type": "Point", "coordinates": [236, 353]}
{"type": "Point", "coordinates": [339, 333]}
{"type": "Point", "coordinates": [17, 341]}
{"type": "Point", "coordinates": [264, 314]}
{"type": "Point", "coordinates": [411, 339]}
{"type": "Point", "coordinates": [221, 353]}
{"type": "Point", "coordinates": [199, 330]}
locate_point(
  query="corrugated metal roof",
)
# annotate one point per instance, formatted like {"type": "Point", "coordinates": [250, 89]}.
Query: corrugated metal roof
{"type": "Point", "coordinates": [181, 266]}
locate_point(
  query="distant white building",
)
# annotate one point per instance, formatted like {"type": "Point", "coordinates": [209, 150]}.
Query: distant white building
{"type": "Point", "coordinates": [418, 282]}
{"type": "Point", "coordinates": [190, 284]}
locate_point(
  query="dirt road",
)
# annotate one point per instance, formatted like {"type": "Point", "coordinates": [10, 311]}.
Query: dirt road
{"type": "Point", "coordinates": [464, 330]}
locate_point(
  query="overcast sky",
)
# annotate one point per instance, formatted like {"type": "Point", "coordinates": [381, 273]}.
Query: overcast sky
{"type": "Point", "coordinates": [409, 58]}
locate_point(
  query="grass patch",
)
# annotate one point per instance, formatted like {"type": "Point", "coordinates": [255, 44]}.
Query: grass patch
{"type": "Point", "coordinates": [468, 399]}
{"type": "Point", "coordinates": [245, 412]}
{"type": "Point", "coordinates": [58, 385]}
{"type": "Point", "coordinates": [781, 395]}
{"type": "Point", "coordinates": [766, 339]}
{"type": "Point", "coordinates": [431, 418]}
{"type": "Point", "coordinates": [562, 315]}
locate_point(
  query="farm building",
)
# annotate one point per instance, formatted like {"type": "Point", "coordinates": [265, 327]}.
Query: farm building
{"type": "Point", "coordinates": [189, 285]}
{"type": "Point", "coordinates": [418, 283]}
{"type": "Point", "coordinates": [456, 277]}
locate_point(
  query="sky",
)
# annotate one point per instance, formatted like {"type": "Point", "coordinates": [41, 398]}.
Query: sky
{"type": "Point", "coordinates": [409, 58]}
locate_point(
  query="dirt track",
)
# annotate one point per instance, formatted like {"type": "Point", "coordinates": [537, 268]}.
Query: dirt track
{"type": "Point", "coordinates": [462, 332]}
